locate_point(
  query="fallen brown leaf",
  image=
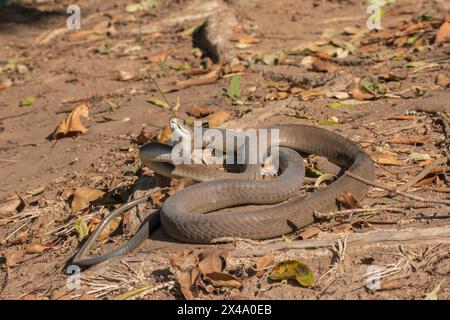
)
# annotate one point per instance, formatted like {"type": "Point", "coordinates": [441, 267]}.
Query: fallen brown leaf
{"type": "Point", "coordinates": [382, 158]}
{"type": "Point", "coordinates": [443, 34]}
{"type": "Point", "coordinates": [221, 279]}
{"type": "Point", "coordinates": [348, 201]}
{"type": "Point", "coordinates": [246, 39]}
{"type": "Point", "coordinates": [311, 93]}
{"type": "Point", "coordinates": [208, 78]}
{"type": "Point", "coordinates": [12, 256]}
{"type": "Point", "coordinates": [146, 135]}
{"type": "Point", "coordinates": [10, 206]}
{"type": "Point", "coordinates": [35, 248]}
{"type": "Point", "coordinates": [442, 80]}
{"type": "Point", "coordinates": [359, 93]}
{"type": "Point", "coordinates": [402, 117]}
{"type": "Point", "coordinates": [110, 228]}
{"type": "Point", "coordinates": [310, 232]}
{"type": "Point", "coordinates": [83, 196]}
{"type": "Point", "coordinates": [198, 112]}
{"type": "Point", "coordinates": [164, 134]}
{"type": "Point", "coordinates": [411, 140]}
{"type": "Point", "coordinates": [212, 261]}
{"type": "Point", "coordinates": [188, 281]}
{"type": "Point", "coordinates": [263, 263]}
{"type": "Point", "coordinates": [72, 125]}
{"type": "Point", "coordinates": [218, 118]}
{"type": "Point", "coordinates": [324, 66]}
{"type": "Point", "coordinates": [159, 57]}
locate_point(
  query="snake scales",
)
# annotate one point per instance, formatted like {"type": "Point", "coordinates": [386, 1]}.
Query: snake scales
{"type": "Point", "coordinates": [183, 214]}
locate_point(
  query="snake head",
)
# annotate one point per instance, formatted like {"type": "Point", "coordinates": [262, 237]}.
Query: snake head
{"type": "Point", "coordinates": [180, 128]}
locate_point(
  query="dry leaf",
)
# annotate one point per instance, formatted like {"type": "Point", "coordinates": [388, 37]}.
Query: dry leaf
{"type": "Point", "coordinates": [324, 66]}
{"type": "Point", "coordinates": [185, 259]}
{"type": "Point", "coordinates": [220, 279]}
{"type": "Point", "coordinates": [263, 263]}
{"type": "Point", "coordinates": [34, 248]}
{"type": "Point", "coordinates": [310, 232]}
{"type": "Point", "coordinates": [10, 206]}
{"type": "Point", "coordinates": [212, 261]}
{"type": "Point", "coordinates": [442, 80]}
{"type": "Point", "coordinates": [198, 112]}
{"type": "Point", "coordinates": [402, 117]}
{"type": "Point", "coordinates": [359, 93]}
{"type": "Point", "coordinates": [146, 135]}
{"type": "Point", "coordinates": [208, 78]}
{"type": "Point", "coordinates": [443, 34]}
{"type": "Point", "coordinates": [218, 118]}
{"type": "Point", "coordinates": [282, 95]}
{"type": "Point", "coordinates": [83, 196]}
{"type": "Point", "coordinates": [20, 238]}
{"type": "Point", "coordinates": [411, 140]}
{"type": "Point", "coordinates": [12, 256]}
{"type": "Point", "coordinates": [188, 281]}
{"type": "Point", "coordinates": [382, 158]}
{"type": "Point", "coordinates": [246, 39]}
{"type": "Point", "coordinates": [110, 228]}
{"type": "Point", "coordinates": [72, 124]}
{"type": "Point", "coordinates": [348, 201]}
{"type": "Point", "coordinates": [293, 270]}
{"type": "Point", "coordinates": [121, 75]}
{"type": "Point", "coordinates": [308, 94]}
{"type": "Point", "coordinates": [164, 134]}
{"type": "Point", "coordinates": [158, 57]}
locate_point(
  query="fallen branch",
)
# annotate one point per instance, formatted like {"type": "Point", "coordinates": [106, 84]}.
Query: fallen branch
{"type": "Point", "coordinates": [390, 207]}
{"type": "Point", "coordinates": [383, 236]}
{"type": "Point", "coordinates": [400, 193]}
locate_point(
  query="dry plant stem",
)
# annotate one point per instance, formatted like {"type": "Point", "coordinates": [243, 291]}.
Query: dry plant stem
{"type": "Point", "coordinates": [158, 88]}
{"type": "Point", "coordinates": [427, 170]}
{"type": "Point", "coordinates": [441, 234]}
{"type": "Point", "coordinates": [400, 193]}
{"type": "Point", "coordinates": [391, 207]}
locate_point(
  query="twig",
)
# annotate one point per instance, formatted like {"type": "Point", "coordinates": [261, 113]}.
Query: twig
{"type": "Point", "coordinates": [403, 194]}
{"type": "Point", "coordinates": [158, 88]}
{"type": "Point", "coordinates": [387, 236]}
{"type": "Point", "coordinates": [427, 170]}
{"type": "Point", "coordinates": [390, 207]}
{"type": "Point", "coordinates": [144, 290]}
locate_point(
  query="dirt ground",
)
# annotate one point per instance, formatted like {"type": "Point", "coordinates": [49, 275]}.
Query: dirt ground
{"type": "Point", "coordinates": [306, 62]}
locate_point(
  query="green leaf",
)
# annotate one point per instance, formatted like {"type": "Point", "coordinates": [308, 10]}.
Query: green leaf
{"type": "Point", "coordinates": [419, 91]}
{"type": "Point", "coordinates": [158, 103]}
{"type": "Point", "coordinates": [412, 40]}
{"type": "Point", "coordinates": [293, 270]}
{"type": "Point", "coordinates": [110, 104]}
{"type": "Point", "coordinates": [415, 64]}
{"type": "Point", "coordinates": [146, 4]}
{"type": "Point", "coordinates": [334, 105]}
{"type": "Point", "coordinates": [132, 50]}
{"type": "Point", "coordinates": [36, 191]}
{"type": "Point", "coordinates": [103, 49]}
{"type": "Point", "coordinates": [235, 87]}
{"type": "Point", "coordinates": [14, 61]}
{"type": "Point", "coordinates": [328, 122]}
{"type": "Point", "coordinates": [81, 229]}
{"type": "Point", "coordinates": [28, 101]}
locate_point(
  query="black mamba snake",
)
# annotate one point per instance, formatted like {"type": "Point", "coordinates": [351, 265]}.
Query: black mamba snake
{"type": "Point", "coordinates": [183, 214]}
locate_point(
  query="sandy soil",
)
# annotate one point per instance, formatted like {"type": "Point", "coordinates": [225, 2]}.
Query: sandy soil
{"type": "Point", "coordinates": [63, 69]}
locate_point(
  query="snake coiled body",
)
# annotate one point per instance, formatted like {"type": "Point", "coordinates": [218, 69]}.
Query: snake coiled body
{"type": "Point", "coordinates": [182, 214]}
{"type": "Point", "coordinates": [188, 214]}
